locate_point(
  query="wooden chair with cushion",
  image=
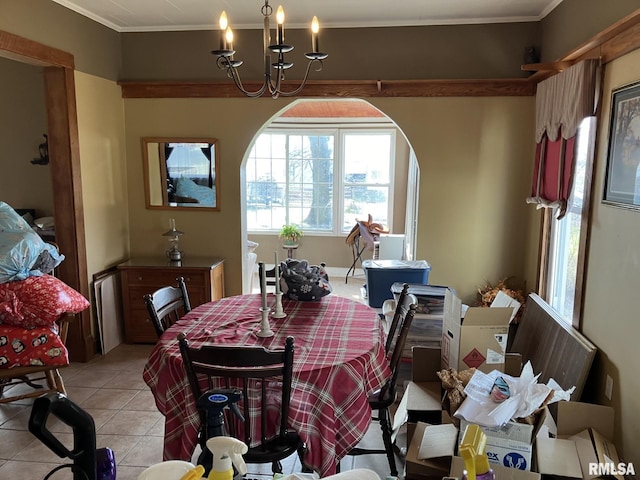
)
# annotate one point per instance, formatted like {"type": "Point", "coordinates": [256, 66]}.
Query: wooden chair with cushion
{"type": "Point", "coordinates": [14, 376]}
{"type": "Point", "coordinates": [249, 369]}
{"type": "Point", "coordinates": [166, 305]}
{"type": "Point", "coordinates": [384, 398]}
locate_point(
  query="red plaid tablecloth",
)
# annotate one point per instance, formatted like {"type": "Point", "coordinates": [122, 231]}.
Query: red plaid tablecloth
{"type": "Point", "coordinates": [339, 360]}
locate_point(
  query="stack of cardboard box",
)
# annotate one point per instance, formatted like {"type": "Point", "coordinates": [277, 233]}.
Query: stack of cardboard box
{"type": "Point", "coordinates": [580, 444]}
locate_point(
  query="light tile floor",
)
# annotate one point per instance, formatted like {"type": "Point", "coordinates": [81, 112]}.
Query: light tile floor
{"type": "Point", "coordinates": [111, 389]}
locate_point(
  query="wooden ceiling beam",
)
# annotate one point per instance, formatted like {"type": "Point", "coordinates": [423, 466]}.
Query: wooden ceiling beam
{"type": "Point", "coordinates": [339, 88]}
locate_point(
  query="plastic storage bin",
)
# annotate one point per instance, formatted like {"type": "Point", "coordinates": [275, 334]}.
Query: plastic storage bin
{"type": "Point", "coordinates": [381, 274]}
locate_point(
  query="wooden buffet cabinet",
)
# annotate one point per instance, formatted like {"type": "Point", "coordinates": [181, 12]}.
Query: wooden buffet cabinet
{"type": "Point", "coordinates": [138, 276]}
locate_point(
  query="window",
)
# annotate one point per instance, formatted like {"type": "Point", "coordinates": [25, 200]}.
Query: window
{"type": "Point", "coordinates": [321, 179]}
{"type": "Point", "coordinates": [567, 243]}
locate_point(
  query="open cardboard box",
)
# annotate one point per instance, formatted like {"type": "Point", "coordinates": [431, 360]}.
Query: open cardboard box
{"type": "Point", "coordinates": [475, 338]}
{"type": "Point", "coordinates": [511, 445]}
{"type": "Point", "coordinates": [583, 433]}
{"type": "Point", "coordinates": [423, 469]}
{"type": "Point", "coordinates": [501, 473]}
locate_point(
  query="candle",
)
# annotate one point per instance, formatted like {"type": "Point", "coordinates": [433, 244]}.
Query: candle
{"type": "Point", "coordinates": [280, 20]}
{"type": "Point", "coordinates": [263, 284]}
{"type": "Point", "coordinates": [223, 30]}
{"type": "Point", "coordinates": [277, 271]}
{"type": "Point", "coordinates": [172, 224]}
{"type": "Point", "coordinates": [315, 27]}
{"type": "Point", "coordinates": [229, 36]}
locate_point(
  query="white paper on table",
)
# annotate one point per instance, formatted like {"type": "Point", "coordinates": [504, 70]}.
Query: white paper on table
{"type": "Point", "coordinates": [438, 441]}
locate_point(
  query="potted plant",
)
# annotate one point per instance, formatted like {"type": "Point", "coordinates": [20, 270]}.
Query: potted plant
{"type": "Point", "coordinates": [290, 234]}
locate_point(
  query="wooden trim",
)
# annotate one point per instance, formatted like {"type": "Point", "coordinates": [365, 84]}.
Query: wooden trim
{"type": "Point", "coordinates": [24, 50]}
{"type": "Point", "coordinates": [613, 42]}
{"type": "Point", "coordinates": [544, 253]}
{"type": "Point", "coordinates": [62, 123]}
{"type": "Point", "coordinates": [64, 157]}
{"type": "Point", "coordinates": [339, 88]}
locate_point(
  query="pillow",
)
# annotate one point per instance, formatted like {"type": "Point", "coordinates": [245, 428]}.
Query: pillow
{"type": "Point", "coordinates": [185, 187]}
{"type": "Point", "coordinates": [38, 301]}
{"type": "Point", "coordinates": [301, 281]}
{"type": "Point", "coordinates": [20, 247]}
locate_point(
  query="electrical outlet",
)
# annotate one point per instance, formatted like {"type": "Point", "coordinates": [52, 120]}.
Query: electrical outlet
{"type": "Point", "coordinates": [608, 388]}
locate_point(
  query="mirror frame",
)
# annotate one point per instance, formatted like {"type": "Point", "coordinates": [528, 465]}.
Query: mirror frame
{"type": "Point", "coordinates": [160, 177]}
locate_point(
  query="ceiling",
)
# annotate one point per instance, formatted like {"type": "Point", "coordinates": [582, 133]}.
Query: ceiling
{"type": "Point", "coordinates": [165, 15]}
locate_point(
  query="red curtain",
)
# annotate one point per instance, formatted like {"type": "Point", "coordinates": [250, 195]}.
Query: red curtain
{"type": "Point", "coordinates": [562, 102]}
{"type": "Point", "coordinates": [553, 172]}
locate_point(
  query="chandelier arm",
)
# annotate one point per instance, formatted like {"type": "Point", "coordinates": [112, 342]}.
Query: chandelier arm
{"type": "Point", "coordinates": [304, 81]}
{"type": "Point", "coordinates": [224, 63]}
{"type": "Point", "coordinates": [238, 81]}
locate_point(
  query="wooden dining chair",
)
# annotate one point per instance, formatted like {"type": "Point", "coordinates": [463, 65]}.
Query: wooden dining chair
{"type": "Point", "coordinates": [167, 304]}
{"type": "Point", "coordinates": [249, 369]}
{"type": "Point", "coordinates": [384, 398]}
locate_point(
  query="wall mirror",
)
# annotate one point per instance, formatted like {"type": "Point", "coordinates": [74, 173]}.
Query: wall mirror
{"type": "Point", "coordinates": [181, 173]}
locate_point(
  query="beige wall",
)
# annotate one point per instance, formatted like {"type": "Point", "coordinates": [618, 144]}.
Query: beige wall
{"type": "Point", "coordinates": [611, 310]}
{"type": "Point", "coordinates": [475, 157]}
{"type": "Point", "coordinates": [475, 161]}
{"type": "Point", "coordinates": [104, 173]}
{"type": "Point", "coordinates": [22, 125]}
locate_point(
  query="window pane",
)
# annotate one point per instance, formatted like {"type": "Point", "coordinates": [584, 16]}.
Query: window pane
{"type": "Point", "coordinates": [565, 234]}
{"type": "Point", "coordinates": [367, 157]}
{"type": "Point", "coordinates": [290, 179]}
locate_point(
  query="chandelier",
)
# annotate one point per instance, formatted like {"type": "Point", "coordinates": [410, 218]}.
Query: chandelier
{"type": "Point", "coordinates": [272, 81]}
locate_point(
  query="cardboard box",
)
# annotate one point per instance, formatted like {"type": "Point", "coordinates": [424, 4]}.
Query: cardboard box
{"type": "Point", "coordinates": [582, 448]}
{"type": "Point", "coordinates": [424, 392]}
{"type": "Point", "coordinates": [424, 468]}
{"type": "Point", "coordinates": [511, 445]}
{"type": "Point", "coordinates": [475, 338]}
{"type": "Point", "coordinates": [501, 473]}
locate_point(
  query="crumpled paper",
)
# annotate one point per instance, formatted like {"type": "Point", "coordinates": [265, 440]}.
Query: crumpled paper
{"type": "Point", "coordinates": [527, 396]}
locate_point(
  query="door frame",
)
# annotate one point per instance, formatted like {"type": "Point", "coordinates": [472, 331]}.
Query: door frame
{"type": "Point", "coordinates": [64, 160]}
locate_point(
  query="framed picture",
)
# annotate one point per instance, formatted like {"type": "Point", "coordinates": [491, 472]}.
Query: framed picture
{"type": "Point", "coordinates": [622, 180]}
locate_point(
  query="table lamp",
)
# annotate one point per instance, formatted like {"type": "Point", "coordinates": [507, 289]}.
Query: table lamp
{"type": "Point", "coordinates": [174, 253]}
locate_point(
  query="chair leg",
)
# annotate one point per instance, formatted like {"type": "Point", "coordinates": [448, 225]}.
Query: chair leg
{"type": "Point", "coordinates": [385, 425]}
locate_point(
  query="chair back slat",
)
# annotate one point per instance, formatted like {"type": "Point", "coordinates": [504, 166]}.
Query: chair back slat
{"type": "Point", "coordinates": [404, 325]}
{"type": "Point", "coordinates": [166, 305]}
{"type": "Point", "coordinates": [402, 305]}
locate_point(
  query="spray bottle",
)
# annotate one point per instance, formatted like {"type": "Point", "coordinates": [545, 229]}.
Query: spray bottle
{"type": "Point", "coordinates": [472, 450]}
{"type": "Point", "coordinates": [227, 453]}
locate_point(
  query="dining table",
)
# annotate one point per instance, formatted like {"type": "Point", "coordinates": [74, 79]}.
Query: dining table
{"type": "Point", "coordinates": [339, 359]}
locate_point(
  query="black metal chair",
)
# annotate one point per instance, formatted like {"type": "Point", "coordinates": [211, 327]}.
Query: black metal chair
{"type": "Point", "coordinates": [167, 304]}
{"type": "Point", "coordinates": [382, 399]}
{"type": "Point", "coordinates": [249, 369]}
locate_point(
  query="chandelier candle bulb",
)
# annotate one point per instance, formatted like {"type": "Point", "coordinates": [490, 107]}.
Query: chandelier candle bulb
{"type": "Point", "coordinates": [315, 28]}
{"type": "Point", "coordinates": [229, 38]}
{"type": "Point", "coordinates": [223, 30]}
{"type": "Point", "coordinates": [280, 20]}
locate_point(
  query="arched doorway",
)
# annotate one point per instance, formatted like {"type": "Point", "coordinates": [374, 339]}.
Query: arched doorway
{"type": "Point", "coordinates": [341, 166]}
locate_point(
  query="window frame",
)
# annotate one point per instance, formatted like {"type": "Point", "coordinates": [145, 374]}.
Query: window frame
{"type": "Point", "coordinates": [545, 266]}
{"type": "Point", "coordinates": [339, 130]}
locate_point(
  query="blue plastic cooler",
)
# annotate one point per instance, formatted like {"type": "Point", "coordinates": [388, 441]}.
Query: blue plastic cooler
{"type": "Point", "coordinates": [382, 274]}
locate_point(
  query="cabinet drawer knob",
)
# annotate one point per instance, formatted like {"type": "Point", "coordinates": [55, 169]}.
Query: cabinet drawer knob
{"type": "Point", "coordinates": [140, 278]}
